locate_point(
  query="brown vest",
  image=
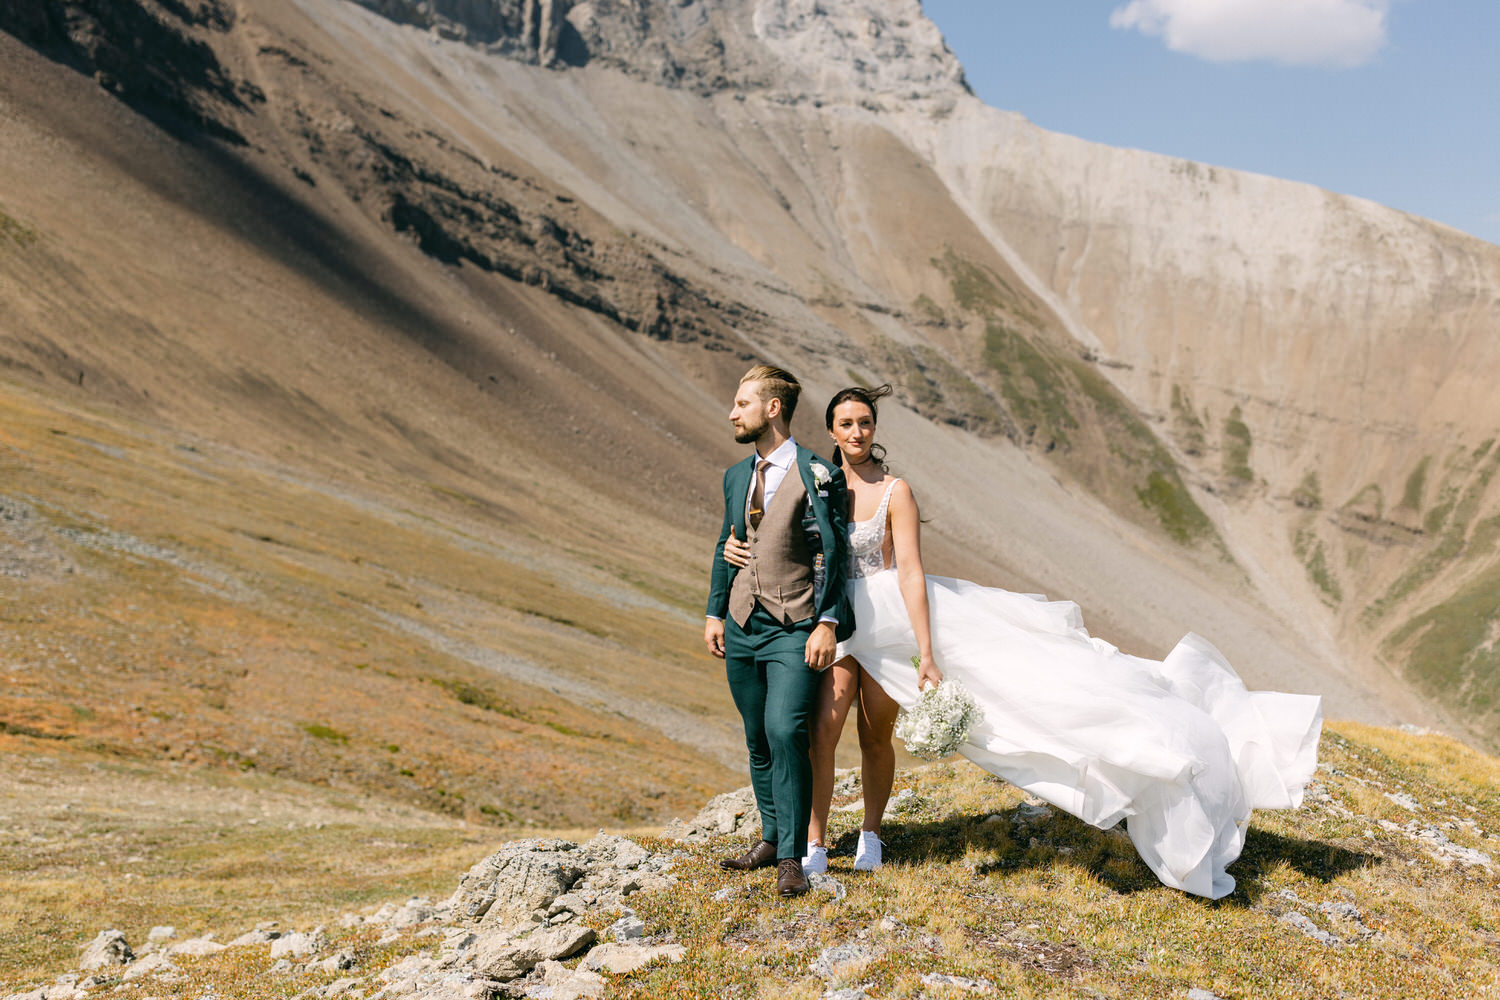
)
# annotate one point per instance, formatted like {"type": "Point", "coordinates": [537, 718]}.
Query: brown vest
{"type": "Point", "coordinates": [780, 574]}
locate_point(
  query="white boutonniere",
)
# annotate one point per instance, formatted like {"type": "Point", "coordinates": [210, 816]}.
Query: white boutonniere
{"type": "Point", "coordinates": [821, 475]}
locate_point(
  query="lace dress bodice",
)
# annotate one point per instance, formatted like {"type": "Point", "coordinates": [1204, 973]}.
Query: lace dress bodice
{"type": "Point", "coordinates": [867, 539]}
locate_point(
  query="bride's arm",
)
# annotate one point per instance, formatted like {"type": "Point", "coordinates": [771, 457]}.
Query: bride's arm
{"type": "Point", "coordinates": [906, 528]}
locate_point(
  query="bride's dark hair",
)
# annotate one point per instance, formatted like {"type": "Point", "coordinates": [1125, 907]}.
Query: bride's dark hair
{"type": "Point", "coordinates": [859, 394]}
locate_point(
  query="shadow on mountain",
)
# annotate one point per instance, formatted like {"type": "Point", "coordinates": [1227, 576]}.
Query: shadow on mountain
{"type": "Point", "coordinates": [143, 53]}
{"type": "Point", "coordinates": [1029, 837]}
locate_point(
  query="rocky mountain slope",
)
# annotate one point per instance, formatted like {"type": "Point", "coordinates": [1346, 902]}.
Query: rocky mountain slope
{"type": "Point", "coordinates": [410, 327]}
{"type": "Point", "coordinates": [1378, 887]}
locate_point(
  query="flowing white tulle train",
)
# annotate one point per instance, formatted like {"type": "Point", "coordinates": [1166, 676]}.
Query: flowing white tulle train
{"type": "Point", "coordinates": [1177, 748]}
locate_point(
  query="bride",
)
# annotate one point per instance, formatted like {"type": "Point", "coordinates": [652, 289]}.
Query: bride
{"type": "Point", "coordinates": [1177, 748]}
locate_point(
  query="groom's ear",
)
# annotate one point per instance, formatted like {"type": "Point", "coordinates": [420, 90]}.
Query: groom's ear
{"type": "Point", "coordinates": [773, 407]}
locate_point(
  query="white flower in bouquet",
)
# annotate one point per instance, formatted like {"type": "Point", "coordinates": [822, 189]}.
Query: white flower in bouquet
{"type": "Point", "coordinates": [939, 721]}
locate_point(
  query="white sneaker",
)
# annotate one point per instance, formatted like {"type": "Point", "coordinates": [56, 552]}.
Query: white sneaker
{"type": "Point", "coordinates": [867, 854]}
{"type": "Point", "coordinates": [816, 860]}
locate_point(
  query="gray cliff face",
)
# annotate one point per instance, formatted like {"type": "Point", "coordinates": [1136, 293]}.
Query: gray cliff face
{"type": "Point", "coordinates": [531, 30]}
{"type": "Point", "coordinates": [869, 52]}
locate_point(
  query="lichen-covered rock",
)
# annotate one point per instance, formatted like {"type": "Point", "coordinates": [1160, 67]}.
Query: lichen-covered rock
{"type": "Point", "coordinates": [194, 947]}
{"type": "Point", "coordinates": [505, 958]}
{"type": "Point", "coordinates": [558, 982]}
{"type": "Point", "coordinates": [298, 944]}
{"type": "Point", "coordinates": [609, 851]}
{"type": "Point", "coordinates": [109, 948]}
{"type": "Point", "coordinates": [732, 814]}
{"type": "Point", "coordinates": [620, 959]}
{"type": "Point", "coordinates": [516, 880]}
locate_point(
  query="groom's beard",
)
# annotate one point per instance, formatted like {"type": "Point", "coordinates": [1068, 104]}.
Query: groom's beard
{"type": "Point", "coordinates": [749, 435]}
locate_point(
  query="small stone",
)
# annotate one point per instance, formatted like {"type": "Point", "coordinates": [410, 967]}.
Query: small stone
{"type": "Point", "coordinates": [620, 959]}
{"type": "Point", "coordinates": [338, 962]}
{"type": "Point", "coordinates": [1345, 911]}
{"type": "Point", "coordinates": [980, 986]}
{"type": "Point", "coordinates": [892, 925]}
{"type": "Point", "coordinates": [558, 982]}
{"type": "Point", "coordinates": [1197, 994]}
{"type": "Point", "coordinates": [1404, 800]}
{"type": "Point", "coordinates": [848, 993]}
{"type": "Point", "coordinates": [155, 964]}
{"type": "Point", "coordinates": [415, 911]}
{"type": "Point", "coordinates": [1302, 923]}
{"type": "Point", "coordinates": [730, 893]}
{"type": "Point", "coordinates": [1030, 812]}
{"type": "Point", "coordinates": [823, 882]}
{"type": "Point", "coordinates": [281, 966]}
{"type": "Point", "coordinates": [732, 813]}
{"type": "Point", "coordinates": [161, 933]}
{"type": "Point", "coordinates": [299, 945]}
{"type": "Point", "coordinates": [258, 936]}
{"type": "Point", "coordinates": [843, 960]}
{"type": "Point", "coordinates": [195, 947]}
{"type": "Point", "coordinates": [627, 928]}
{"type": "Point", "coordinates": [109, 948]}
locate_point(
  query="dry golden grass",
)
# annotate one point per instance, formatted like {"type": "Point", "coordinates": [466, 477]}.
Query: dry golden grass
{"type": "Point", "coordinates": [196, 605]}
{"type": "Point", "coordinates": [1055, 908]}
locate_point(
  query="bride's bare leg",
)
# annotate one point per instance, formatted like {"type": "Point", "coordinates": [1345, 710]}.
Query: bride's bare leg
{"type": "Point", "coordinates": [834, 698]}
{"type": "Point", "coordinates": [877, 721]}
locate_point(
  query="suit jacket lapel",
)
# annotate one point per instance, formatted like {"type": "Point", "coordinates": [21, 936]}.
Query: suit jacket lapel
{"type": "Point", "coordinates": [739, 489]}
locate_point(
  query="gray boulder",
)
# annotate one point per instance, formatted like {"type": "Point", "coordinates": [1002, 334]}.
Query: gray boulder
{"type": "Point", "coordinates": [505, 958]}
{"type": "Point", "coordinates": [298, 944]}
{"type": "Point", "coordinates": [509, 885]}
{"type": "Point", "coordinates": [620, 959]}
{"type": "Point", "coordinates": [730, 814]}
{"type": "Point", "coordinates": [108, 949]}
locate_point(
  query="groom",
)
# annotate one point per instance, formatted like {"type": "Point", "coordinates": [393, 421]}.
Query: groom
{"type": "Point", "coordinates": [776, 622]}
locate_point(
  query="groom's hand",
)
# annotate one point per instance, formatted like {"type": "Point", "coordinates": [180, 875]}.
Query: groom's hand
{"type": "Point", "coordinates": [713, 637]}
{"type": "Point", "coordinates": [821, 646]}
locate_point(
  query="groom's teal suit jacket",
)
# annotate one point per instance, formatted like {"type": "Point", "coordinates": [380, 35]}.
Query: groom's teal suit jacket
{"type": "Point", "coordinates": [828, 505]}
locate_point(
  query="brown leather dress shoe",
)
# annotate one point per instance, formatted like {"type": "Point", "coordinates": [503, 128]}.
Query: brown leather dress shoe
{"type": "Point", "coordinates": [762, 855]}
{"type": "Point", "coordinates": [789, 878]}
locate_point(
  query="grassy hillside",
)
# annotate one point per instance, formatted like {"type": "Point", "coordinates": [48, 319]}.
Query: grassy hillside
{"type": "Point", "coordinates": [1378, 887]}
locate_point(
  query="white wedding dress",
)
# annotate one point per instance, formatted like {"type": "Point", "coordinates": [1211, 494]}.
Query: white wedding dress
{"type": "Point", "coordinates": [1178, 748]}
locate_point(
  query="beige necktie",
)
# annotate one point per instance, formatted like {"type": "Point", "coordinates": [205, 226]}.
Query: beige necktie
{"type": "Point", "coordinates": [758, 496]}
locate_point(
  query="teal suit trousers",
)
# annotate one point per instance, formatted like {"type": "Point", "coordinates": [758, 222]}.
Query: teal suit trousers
{"type": "Point", "coordinates": [775, 692]}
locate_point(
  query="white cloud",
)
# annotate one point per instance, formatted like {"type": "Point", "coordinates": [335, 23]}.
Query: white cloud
{"type": "Point", "coordinates": [1296, 32]}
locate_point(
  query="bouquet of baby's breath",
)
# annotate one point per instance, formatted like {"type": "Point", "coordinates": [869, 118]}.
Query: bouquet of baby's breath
{"type": "Point", "coordinates": [939, 721]}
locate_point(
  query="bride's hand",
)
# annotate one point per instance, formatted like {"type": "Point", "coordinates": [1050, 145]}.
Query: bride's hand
{"type": "Point", "coordinates": [928, 673]}
{"type": "Point", "coordinates": [736, 552]}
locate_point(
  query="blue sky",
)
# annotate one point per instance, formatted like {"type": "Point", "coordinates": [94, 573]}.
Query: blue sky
{"type": "Point", "coordinates": [1397, 101]}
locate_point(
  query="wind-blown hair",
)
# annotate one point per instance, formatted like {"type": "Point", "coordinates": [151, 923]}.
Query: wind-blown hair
{"type": "Point", "coordinates": [776, 383]}
{"type": "Point", "coordinates": [859, 394]}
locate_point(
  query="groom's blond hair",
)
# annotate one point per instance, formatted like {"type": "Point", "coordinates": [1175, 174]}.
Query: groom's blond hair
{"type": "Point", "coordinates": [776, 383]}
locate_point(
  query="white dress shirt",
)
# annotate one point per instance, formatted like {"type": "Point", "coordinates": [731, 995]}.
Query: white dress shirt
{"type": "Point", "coordinates": [781, 461]}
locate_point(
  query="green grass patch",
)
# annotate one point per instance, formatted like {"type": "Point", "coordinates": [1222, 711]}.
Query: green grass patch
{"type": "Point", "coordinates": [1449, 521]}
{"type": "Point", "coordinates": [16, 232]}
{"type": "Point", "coordinates": [1186, 426]}
{"type": "Point", "coordinates": [319, 731]}
{"type": "Point", "coordinates": [1411, 496]}
{"type": "Point", "coordinates": [1167, 497]}
{"type": "Point", "coordinates": [1236, 447]}
{"type": "Point", "coordinates": [1308, 494]}
{"type": "Point", "coordinates": [1451, 649]}
{"type": "Point", "coordinates": [1309, 548]}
